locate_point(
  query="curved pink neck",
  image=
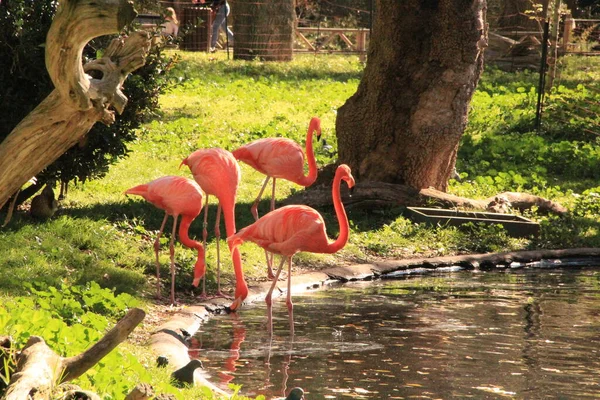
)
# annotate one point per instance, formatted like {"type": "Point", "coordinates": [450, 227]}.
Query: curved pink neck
{"type": "Point", "coordinates": [310, 158]}
{"type": "Point", "coordinates": [184, 227]}
{"type": "Point", "coordinates": [241, 287]}
{"type": "Point", "coordinates": [340, 213]}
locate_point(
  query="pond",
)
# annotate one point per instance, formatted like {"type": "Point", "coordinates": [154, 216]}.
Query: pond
{"type": "Point", "coordinates": [501, 334]}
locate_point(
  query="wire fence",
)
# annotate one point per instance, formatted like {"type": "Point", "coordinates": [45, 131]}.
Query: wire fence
{"type": "Point", "coordinates": [324, 26]}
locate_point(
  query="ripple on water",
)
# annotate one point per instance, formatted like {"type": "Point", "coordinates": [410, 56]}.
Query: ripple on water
{"type": "Point", "coordinates": [504, 334]}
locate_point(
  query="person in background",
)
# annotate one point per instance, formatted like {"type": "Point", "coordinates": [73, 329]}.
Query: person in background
{"type": "Point", "coordinates": [221, 10]}
{"type": "Point", "coordinates": [171, 24]}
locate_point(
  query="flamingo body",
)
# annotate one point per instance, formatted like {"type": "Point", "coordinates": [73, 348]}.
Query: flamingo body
{"type": "Point", "coordinates": [276, 157]}
{"type": "Point", "coordinates": [218, 173]}
{"type": "Point", "coordinates": [288, 230]}
{"type": "Point", "coordinates": [177, 196]}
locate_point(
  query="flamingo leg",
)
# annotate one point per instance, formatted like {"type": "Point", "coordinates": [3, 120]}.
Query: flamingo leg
{"type": "Point", "coordinates": [289, 303]}
{"type": "Point", "coordinates": [204, 236]}
{"type": "Point", "coordinates": [254, 208]}
{"type": "Point", "coordinates": [218, 235]}
{"type": "Point", "coordinates": [268, 255]}
{"type": "Point", "coordinates": [156, 249]}
{"type": "Point", "coordinates": [269, 298]}
{"type": "Point", "coordinates": [172, 251]}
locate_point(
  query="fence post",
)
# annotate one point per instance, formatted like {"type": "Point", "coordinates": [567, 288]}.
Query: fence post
{"type": "Point", "coordinates": [569, 25]}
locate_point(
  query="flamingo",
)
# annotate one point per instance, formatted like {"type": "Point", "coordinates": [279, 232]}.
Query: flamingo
{"type": "Point", "coordinates": [280, 158]}
{"type": "Point", "coordinates": [176, 195]}
{"type": "Point", "coordinates": [218, 173]}
{"type": "Point", "coordinates": [294, 228]}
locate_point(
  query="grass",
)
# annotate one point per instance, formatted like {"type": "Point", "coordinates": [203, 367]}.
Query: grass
{"type": "Point", "coordinates": [101, 235]}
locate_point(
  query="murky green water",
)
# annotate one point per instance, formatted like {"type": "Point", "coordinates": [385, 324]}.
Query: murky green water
{"type": "Point", "coordinates": [530, 334]}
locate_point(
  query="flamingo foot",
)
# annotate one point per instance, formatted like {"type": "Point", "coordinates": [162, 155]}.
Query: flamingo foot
{"type": "Point", "coordinates": [223, 295]}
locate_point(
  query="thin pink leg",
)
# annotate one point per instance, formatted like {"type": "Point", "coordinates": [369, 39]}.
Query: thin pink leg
{"type": "Point", "coordinates": [172, 251]}
{"type": "Point", "coordinates": [156, 249]}
{"type": "Point", "coordinates": [290, 305]}
{"type": "Point", "coordinates": [218, 235]}
{"type": "Point", "coordinates": [268, 255]}
{"type": "Point", "coordinates": [204, 236]}
{"type": "Point", "coordinates": [254, 208]}
{"type": "Point", "coordinates": [269, 298]}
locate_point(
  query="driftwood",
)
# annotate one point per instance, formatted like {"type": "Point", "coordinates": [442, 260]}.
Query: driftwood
{"type": "Point", "coordinates": [379, 194]}
{"type": "Point", "coordinates": [39, 368]}
{"type": "Point", "coordinates": [82, 95]}
{"type": "Point", "coordinates": [142, 391]}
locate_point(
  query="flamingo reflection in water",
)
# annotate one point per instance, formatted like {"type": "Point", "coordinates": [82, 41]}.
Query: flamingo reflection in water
{"type": "Point", "coordinates": [239, 335]}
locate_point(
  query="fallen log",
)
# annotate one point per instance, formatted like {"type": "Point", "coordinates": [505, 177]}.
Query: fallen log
{"type": "Point", "coordinates": [39, 368]}
{"type": "Point", "coordinates": [380, 194]}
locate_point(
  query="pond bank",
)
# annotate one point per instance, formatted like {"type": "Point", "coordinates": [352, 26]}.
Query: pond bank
{"type": "Point", "coordinates": [171, 339]}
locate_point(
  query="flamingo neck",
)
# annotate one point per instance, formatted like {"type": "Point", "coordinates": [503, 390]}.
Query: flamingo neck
{"type": "Point", "coordinates": [310, 158]}
{"type": "Point", "coordinates": [200, 266]}
{"type": "Point", "coordinates": [228, 209]}
{"type": "Point", "coordinates": [241, 287]}
{"type": "Point", "coordinates": [342, 218]}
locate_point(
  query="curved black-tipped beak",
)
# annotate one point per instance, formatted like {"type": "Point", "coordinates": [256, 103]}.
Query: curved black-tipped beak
{"type": "Point", "coordinates": [228, 310]}
{"type": "Point", "coordinates": [351, 191]}
{"type": "Point", "coordinates": [319, 136]}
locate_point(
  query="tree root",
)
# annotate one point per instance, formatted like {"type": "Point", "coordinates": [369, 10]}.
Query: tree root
{"type": "Point", "coordinates": [380, 195]}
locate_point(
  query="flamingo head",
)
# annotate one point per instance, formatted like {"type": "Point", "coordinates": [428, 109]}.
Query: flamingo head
{"type": "Point", "coordinates": [315, 125]}
{"type": "Point", "coordinates": [184, 162]}
{"type": "Point", "coordinates": [344, 172]}
{"type": "Point", "coordinates": [199, 271]}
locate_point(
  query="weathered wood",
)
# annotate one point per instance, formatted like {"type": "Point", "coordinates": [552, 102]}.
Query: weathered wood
{"type": "Point", "coordinates": [39, 368]}
{"type": "Point", "coordinates": [142, 391]}
{"type": "Point", "coordinates": [78, 101]}
{"type": "Point", "coordinates": [381, 194]}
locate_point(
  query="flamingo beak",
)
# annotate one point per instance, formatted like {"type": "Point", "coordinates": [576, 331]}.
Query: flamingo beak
{"type": "Point", "coordinates": [350, 191]}
{"type": "Point", "coordinates": [319, 135]}
{"type": "Point", "coordinates": [184, 162]}
{"type": "Point", "coordinates": [235, 305]}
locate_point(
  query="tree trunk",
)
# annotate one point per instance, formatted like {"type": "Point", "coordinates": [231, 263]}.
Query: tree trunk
{"type": "Point", "coordinates": [404, 123]}
{"type": "Point", "coordinates": [83, 94]}
{"type": "Point", "coordinates": [263, 30]}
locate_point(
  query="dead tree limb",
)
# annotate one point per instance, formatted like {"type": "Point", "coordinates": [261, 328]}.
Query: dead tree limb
{"type": "Point", "coordinates": [39, 368]}
{"type": "Point", "coordinates": [380, 194]}
{"type": "Point", "coordinates": [78, 100]}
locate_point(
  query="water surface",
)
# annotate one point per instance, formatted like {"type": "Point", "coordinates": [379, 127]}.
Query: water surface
{"type": "Point", "coordinates": [528, 334]}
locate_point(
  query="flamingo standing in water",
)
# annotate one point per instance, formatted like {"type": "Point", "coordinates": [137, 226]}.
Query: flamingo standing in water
{"type": "Point", "coordinates": [218, 173]}
{"type": "Point", "coordinates": [291, 229]}
{"type": "Point", "coordinates": [177, 196]}
{"type": "Point", "coordinates": [280, 158]}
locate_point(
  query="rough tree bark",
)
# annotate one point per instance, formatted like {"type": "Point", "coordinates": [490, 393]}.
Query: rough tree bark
{"type": "Point", "coordinates": [404, 123]}
{"type": "Point", "coordinates": [263, 29]}
{"type": "Point", "coordinates": [39, 368]}
{"type": "Point", "coordinates": [83, 95]}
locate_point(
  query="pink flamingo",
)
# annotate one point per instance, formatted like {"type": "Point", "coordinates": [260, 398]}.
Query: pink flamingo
{"type": "Point", "coordinates": [218, 173]}
{"type": "Point", "coordinates": [280, 158]}
{"type": "Point", "coordinates": [291, 229]}
{"type": "Point", "coordinates": [177, 196]}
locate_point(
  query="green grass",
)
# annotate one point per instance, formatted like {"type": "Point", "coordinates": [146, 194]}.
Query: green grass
{"type": "Point", "coordinates": [100, 234]}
